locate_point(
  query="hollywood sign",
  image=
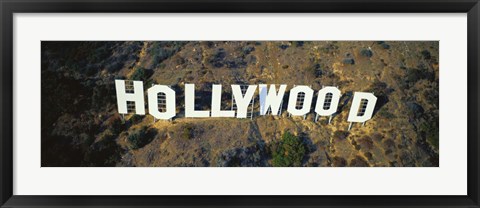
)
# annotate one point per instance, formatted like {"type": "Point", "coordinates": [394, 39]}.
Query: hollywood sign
{"type": "Point", "coordinates": [271, 99]}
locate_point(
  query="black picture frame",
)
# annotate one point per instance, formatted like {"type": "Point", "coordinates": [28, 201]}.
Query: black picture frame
{"type": "Point", "coordinates": [9, 7]}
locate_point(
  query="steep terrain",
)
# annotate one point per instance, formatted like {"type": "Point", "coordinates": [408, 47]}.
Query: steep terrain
{"type": "Point", "coordinates": [81, 125]}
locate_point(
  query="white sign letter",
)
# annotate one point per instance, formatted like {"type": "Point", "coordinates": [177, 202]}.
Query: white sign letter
{"type": "Point", "coordinates": [136, 96]}
{"type": "Point", "coordinates": [272, 100]}
{"type": "Point", "coordinates": [327, 101]}
{"type": "Point", "coordinates": [307, 100]}
{"type": "Point", "coordinates": [216, 103]}
{"type": "Point", "coordinates": [241, 101]}
{"type": "Point", "coordinates": [362, 108]}
{"type": "Point", "coordinates": [190, 103]}
{"type": "Point", "coordinates": [153, 102]}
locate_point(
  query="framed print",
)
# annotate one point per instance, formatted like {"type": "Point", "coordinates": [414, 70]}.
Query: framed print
{"type": "Point", "coordinates": [246, 104]}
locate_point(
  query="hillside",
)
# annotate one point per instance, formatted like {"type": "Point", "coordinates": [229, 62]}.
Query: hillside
{"type": "Point", "coordinates": [81, 125]}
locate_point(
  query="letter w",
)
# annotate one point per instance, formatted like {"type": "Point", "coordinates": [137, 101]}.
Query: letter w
{"type": "Point", "coordinates": [272, 100]}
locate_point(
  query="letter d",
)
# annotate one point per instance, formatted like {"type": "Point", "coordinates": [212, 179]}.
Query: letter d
{"type": "Point", "coordinates": [362, 108]}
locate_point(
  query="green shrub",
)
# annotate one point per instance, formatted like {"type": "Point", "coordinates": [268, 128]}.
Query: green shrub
{"type": "Point", "coordinates": [104, 153]}
{"type": "Point", "coordinates": [430, 131]}
{"type": "Point", "coordinates": [384, 45]}
{"type": "Point", "coordinates": [340, 135]}
{"type": "Point", "coordinates": [329, 48]}
{"type": "Point", "coordinates": [381, 91]}
{"type": "Point", "coordinates": [377, 137]}
{"type": "Point", "coordinates": [350, 61]}
{"type": "Point", "coordinates": [389, 144]}
{"type": "Point", "coordinates": [187, 132]}
{"type": "Point", "coordinates": [413, 75]}
{"type": "Point", "coordinates": [366, 52]}
{"type": "Point", "coordinates": [365, 143]}
{"type": "Point", "coordinates": [358, 162]}
{"type": "Point", "coordinates": [426, 54]}
{"type": "Point", "coordinates": [115, 124]}
{"type": "Point", "coordinates": [386, 114]}
{"type": "Point", "coordinates": [163, 50]}
{"type": "Point", "coordinates": [289, 152]}
{"type": "Point", "coordinates": [298, 43]}
{"type": "Point", "coordinates": [369, 156]}
{"type": "Point", "coordinates": [135, 119]}
{"type": "Point", "coordinates": [139, 74]}
{"type": "Point", "coordinates": [339, 162]}
{"type": "Point", "coordinates": [315, 70]}
{"type": "Point", "coordinates": [137, 138]}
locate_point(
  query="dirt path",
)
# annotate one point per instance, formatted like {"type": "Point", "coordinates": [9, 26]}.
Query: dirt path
{"type": "Point", "coordinates": [140, 58]}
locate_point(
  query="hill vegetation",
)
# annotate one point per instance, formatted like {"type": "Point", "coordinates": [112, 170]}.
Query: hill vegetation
{"type": "Point", "coordinates": [81, 125]}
